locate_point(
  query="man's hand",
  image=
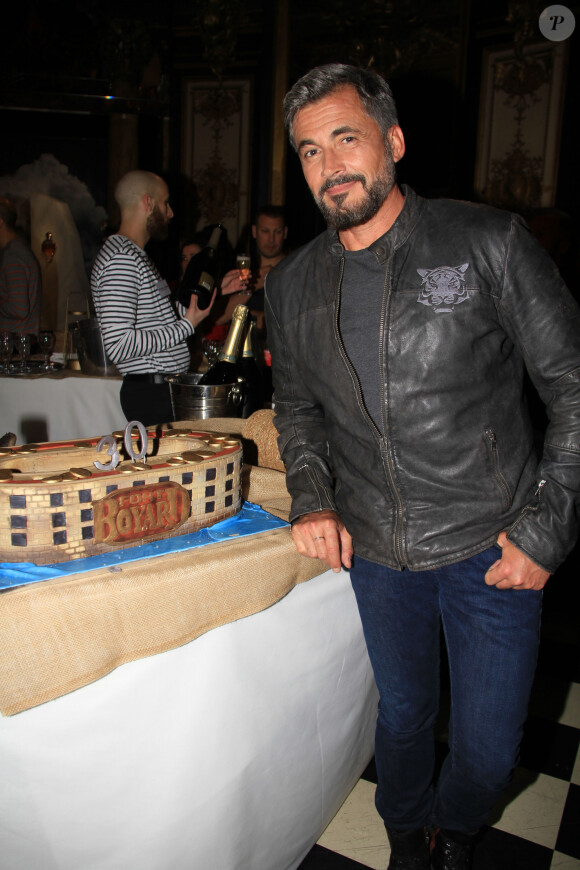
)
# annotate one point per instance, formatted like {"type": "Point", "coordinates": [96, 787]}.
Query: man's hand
{"type": "Point", "coordinates": [194, 314]}
{"type": "Point", "coordinates": [323, 536]}
{"type": "Point", "coordinates": [515, 570]}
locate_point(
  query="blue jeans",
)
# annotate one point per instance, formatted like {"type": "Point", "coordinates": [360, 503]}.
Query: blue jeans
{"type": "Point", "coordinates": [492, 638]}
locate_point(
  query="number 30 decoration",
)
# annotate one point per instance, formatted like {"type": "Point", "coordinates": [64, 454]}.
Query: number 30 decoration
{"type": "Point", "coordinates": [110, 442]}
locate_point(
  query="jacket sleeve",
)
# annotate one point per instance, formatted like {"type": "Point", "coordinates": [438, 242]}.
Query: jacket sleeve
{"type": "Point", "coordinates": [544, 321]}
{"type": "Point", "coordinates": [299, 420]}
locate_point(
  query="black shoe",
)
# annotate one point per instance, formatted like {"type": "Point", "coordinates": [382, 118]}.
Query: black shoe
{"type": "Point", "coordinates": [409, 849]}
{"type": "Point", "coordinates": [452, 850]}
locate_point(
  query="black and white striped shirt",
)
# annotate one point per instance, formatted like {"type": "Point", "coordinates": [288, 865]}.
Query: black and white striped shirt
{"type": "Point", "coordinates": [141, 331]}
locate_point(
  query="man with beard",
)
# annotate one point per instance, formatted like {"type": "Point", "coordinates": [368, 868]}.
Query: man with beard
{"type": "Point", "coordinates": [399, 339]}
{"type": "Point", "coordinates": [142, 333]}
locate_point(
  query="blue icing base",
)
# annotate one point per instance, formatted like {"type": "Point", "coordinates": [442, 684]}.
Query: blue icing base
{"type": "Point", "coordinates": [249, 521]}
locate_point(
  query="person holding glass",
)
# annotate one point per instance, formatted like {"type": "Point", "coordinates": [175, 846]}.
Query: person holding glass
{"type": "Point", "coordinates": [269, 233]}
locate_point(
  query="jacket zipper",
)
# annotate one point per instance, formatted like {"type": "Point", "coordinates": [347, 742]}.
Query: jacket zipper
{"type": "Point", "coordinates": [492, 438]}
{"type": "Point", "coordinates": [528, 508]}
{"type": "Point", "coordinates": [398, 532]}
{"type": "Point", "coordinates": [539, 488]}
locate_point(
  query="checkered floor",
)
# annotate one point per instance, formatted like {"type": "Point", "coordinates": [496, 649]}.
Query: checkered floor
{"type": "Point", "coordinates": [536, 826]}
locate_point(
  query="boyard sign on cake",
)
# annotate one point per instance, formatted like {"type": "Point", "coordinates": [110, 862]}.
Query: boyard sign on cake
{"type": "Point", "coordinates": [66, 500]}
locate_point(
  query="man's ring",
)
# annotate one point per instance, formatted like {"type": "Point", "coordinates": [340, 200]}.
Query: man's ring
{"type": "Point", "coordinates": [319, 538]}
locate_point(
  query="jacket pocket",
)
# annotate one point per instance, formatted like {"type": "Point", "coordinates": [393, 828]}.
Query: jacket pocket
{"type": "Point", "coordinates": [490, 439]}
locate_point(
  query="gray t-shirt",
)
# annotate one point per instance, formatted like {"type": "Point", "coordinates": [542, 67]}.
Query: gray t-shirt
{"type": "Point", "coordinates": [360, 311]}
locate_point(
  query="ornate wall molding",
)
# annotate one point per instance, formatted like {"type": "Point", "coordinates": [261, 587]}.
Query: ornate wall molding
{"type": "Point", "coordinates": [216, 151]}
{"type": "Point", "coordinates": [519, 125]}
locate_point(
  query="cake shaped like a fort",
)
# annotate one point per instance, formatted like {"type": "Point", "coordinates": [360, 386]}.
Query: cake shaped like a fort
{"type": "Point", "coordinates": [70, 499]}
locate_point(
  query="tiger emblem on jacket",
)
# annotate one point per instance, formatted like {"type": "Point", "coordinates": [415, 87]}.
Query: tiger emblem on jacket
{"type": "Point", "coordinates": [443, 287]}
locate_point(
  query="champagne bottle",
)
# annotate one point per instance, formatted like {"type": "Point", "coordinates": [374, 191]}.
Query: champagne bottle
{"type": "Point", "coordinates": [225, 370]}
{"type": "Point", "coordinates": [201, 273]}
{"type": "Point", "coordinates": [248, 369]}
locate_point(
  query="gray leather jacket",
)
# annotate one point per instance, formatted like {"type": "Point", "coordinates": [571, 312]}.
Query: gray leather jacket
{"type": "Point", "coordinates": [469, 299]}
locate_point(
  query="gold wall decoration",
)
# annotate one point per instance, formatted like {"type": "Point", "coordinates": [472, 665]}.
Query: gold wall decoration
{"type": "Point", "coordinates": [219, 23]}
{"type": "Point", "coordinates": [390, 37]}
{"type": "Point", "coordinates": [216, 152]}
{"type": "Point", "coordinates": [520, 125]}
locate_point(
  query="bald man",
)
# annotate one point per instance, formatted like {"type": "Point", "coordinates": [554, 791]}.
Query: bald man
{"type": "Point", "coordinates": [143, 334]}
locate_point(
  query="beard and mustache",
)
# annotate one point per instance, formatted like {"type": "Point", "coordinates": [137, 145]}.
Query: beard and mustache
{"type": "Point", "coordinates": [157, 225]}
{"type": "Point", "coordinates": [344, 217]}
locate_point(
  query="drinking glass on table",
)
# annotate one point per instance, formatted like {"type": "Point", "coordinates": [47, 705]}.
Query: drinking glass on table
{"type": "Point", "coordinates": [23, 350]}
{"type": "Point", "coordinates": [46, 344]}
{"type": "Point", "coordinates": [6, 348]}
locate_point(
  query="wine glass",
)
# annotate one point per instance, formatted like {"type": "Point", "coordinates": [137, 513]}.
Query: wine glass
{"type": "Point", "coordinates": [211, 350]}
{"type": "Point", "coordinates": [6, 348]}
{"type": "Point", "coordinates": [23, 350]}
{"type": "Point", "coordinates": [244, 267]}
{"type": "Point", "coordinates": [46, 344]}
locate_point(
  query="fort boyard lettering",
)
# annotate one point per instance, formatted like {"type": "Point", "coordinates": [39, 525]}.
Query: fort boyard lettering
{"type": "Point", "coordinates": [130, 515]}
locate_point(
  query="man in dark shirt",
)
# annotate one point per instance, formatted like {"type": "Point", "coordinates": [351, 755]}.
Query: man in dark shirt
{"type": "Point", "coordinates": [399, 339]}
{"type": "Point", "coordinates": [20, 281]}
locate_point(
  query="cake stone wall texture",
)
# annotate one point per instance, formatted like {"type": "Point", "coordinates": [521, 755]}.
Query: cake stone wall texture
{"type": "Point", "coordinates": [68, 500]}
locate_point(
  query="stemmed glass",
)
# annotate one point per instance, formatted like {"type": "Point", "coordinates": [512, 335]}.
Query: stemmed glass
{"type": "Point", "coordinates": [6, 348]}
{"type": "Point", "coordinates": [23, 350]}
{"type": "Point", "coordinates": [243, 265]}
{"type": "Point", "coordinates": [46, 344]}
{"type": "Point", "coordinates": [211, 350]}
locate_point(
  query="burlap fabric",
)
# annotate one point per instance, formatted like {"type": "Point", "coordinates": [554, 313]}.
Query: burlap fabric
{"type": "Point", "coordinates": [59, 635]}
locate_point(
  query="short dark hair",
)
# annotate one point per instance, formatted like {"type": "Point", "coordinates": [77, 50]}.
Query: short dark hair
{"type": "Point", "coordinates": [8, 212]}
{"type": "Point", "coordinates": [374, 92]}
{"type": "Point", "coordinates": [272, 211]}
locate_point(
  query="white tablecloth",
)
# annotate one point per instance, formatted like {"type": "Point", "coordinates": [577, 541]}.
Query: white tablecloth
{"type": "Point", "coordinates": [232, 752]}
{"type": "Point", "coordinates": [59, 408]}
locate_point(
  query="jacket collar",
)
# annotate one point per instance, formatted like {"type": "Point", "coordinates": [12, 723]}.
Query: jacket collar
{"type": "Point", "coordinates": [396, 236]}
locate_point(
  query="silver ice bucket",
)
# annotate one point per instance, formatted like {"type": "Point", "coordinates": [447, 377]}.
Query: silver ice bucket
{"type": "Point", "coordinates": [192, 401]}
{"type": "Point", "coordinates": [87, 341]}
